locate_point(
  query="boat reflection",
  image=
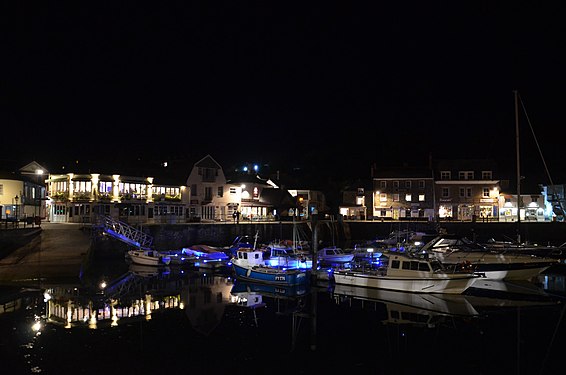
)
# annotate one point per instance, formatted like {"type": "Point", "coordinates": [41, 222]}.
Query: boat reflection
{"type": "Point", "coordinates": [431, 309]}
{"type": "Point", "coordinates": [408, 308]}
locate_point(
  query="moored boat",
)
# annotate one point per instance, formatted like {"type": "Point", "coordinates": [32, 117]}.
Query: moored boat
{"type": "Point", "coordinates": [333, 255]}
{"type": "Point", "coordinates": [250, 265]}
{"type": "Point", "coordinates": [453, 250]}
{"type": "Point", "coordinates": [406, 273]}
{"type": "Point", "coordinates": [148, 257]}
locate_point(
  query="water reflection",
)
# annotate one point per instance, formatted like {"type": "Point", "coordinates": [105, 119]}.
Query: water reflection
{"type": "Point", "coordinates": [517, 326]}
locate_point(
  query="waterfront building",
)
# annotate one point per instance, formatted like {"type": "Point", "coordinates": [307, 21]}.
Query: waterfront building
{"type": "Point", "coordinates": [22, 194]}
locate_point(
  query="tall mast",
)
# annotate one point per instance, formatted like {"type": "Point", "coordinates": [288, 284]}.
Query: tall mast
{"type": "Point", "coordinates": [518, 166]}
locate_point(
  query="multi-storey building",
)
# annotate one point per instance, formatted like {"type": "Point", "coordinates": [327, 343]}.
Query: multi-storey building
{"type": "Point", "coordinates": [80, 198]}
{"type": "Point", "coordinates": [215, 198]}
{"type": "Point", "coordinates": [466, 189]}
{"type": "Point", "coordinates": [403, 193]}
{"type": "Point", "coordinates": [22, 194]}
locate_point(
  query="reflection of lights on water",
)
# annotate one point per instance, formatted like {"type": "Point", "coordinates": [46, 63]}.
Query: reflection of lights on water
{"type": "Point", "coordinates": [36, 326]}
{"type": "Point", "coordinates": [114, 317]}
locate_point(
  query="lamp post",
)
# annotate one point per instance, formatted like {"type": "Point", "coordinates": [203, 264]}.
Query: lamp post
{"type": "Point", "coordinates": [38, 197]}
{"type": "Point", "coordinates": [16, 198]}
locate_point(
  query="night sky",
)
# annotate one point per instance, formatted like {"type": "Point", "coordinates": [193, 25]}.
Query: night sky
{"type": "Point", "coordinates": [335, 86]}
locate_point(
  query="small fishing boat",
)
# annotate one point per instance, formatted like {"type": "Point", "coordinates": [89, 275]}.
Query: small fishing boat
{"type": "Point", "coordinates": [406, 273]}
{"type": "Point", "coordinates": [148, 257]}
{"type": "Point", "coordinates": [250, 265]}
{"type": "Point", "coordinates": [333, 255]}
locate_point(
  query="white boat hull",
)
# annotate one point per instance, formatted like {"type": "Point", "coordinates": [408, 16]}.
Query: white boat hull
{"type": "Point", "coordinates": [151, 258]}
{"type": "Point", "coordinates": [452, 285]}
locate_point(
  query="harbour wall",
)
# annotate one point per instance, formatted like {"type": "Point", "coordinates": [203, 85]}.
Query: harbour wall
{"type": "Point", "coordinates": [340, 233]}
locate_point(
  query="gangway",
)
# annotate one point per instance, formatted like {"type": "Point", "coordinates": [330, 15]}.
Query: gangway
{"type": "Point", "coordinates": [125, 232]}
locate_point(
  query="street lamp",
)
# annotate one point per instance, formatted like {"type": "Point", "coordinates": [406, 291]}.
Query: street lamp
{"type": "Point", "coordinates": [38, 197]}
{"type": "Point", "coordinates": [16, 198]}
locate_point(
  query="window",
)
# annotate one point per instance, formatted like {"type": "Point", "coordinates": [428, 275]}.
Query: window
{"type": "Point", "coordinates": [486, 175]}
{"type": "Point", "coordinates": [395, 264]}
{"type": "Point", "coordinates": [445, 192]}
{"type": "Point", "coordinates": [395, 184]}
{"type": "Point", "coordinates": [1, 189]}
{"type": "Point", "coordinates": [232, 190]}
{"type": "Point", "coordinates": [423, 266]}
{"type": "Point", "coordinates": [421, 197]}
{"type": "Point", "coordinates": [207, 193]}
{"type": "Point", "coordinates": [462, 192]}
{"type": "Point", "coordinates": [194, 190]}
{"type": "Point", "coordinates": [468, 192]}
{"type": "Point", "coordinates": [408, 197]}
{"type": "Point", "coordinates": [382, 184]}
{"type": "Point", "coordinates": [360, 191]}
{"type": "Point", "coordinates": [220, 191]}
{"type": "Point", "coordinates": [408, 184]}
{"type": "Point", "coordinates": [421, 184]}
{"type": "Point", "coordinates": [395, 197]}
{"type": "Point", "coordinates": [485, 192]}
{"type": "Point", "coordinates": [383, 197]}
{"type": "Point", "coordinates": [466, 175]}
{"type": "Point", "coordinates": [445, 175]}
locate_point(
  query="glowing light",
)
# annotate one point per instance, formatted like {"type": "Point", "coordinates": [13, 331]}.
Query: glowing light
{"type": "Point", "coordinates": [256, 167]}
{"type": "Point", "coordinates": [103, 285]}
{"type": "Point", "coordinates": [36, 326]}
{"type": "Point", "coordinates": [39, 171]}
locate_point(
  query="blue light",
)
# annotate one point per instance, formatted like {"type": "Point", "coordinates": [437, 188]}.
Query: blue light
{"type": "Point", "coordinates": [245, 169]}
{"type": "Point", "coordinates": [256, 167]}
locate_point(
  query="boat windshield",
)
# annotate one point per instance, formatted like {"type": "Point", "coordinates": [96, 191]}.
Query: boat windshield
{"type": "Point", "coordinates": [436, 265]}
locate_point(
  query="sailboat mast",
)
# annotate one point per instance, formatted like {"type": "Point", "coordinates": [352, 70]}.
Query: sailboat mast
{"type": "Point", "coordinates": [518, 166]}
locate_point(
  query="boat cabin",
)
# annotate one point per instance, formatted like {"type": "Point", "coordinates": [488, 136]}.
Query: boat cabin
{"type": "Point", "coordinates": [250, 256]}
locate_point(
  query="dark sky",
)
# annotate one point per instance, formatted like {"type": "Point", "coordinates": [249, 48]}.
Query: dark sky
{"type": "Point", "coordinates": [342, 84]}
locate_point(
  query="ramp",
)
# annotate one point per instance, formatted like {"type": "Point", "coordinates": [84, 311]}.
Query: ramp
{"type": "Point", "coordinates": [125, 233]}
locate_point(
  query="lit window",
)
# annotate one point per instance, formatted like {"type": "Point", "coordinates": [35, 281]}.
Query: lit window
{"type": "Point", "coordinates": [408, 197]}
{"type": "Point", "coordinates": [421, 197]}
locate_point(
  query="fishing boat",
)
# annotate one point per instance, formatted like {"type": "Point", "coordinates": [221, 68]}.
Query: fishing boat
{"type": "Point", "coordinates": [407, 273]}
{"type": "Point", "coordinates": [249, 265]}
{"type": "Point", "coordinates": [148, 257]}
{"type": "Point", "coordinates": [287, 257]}
{"type": "Point", "coordinates": [334, 255]}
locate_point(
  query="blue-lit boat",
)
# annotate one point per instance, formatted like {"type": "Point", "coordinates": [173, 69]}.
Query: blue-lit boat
{"type": "Point", "coordinates": [207, 256]}
{"type": "Point", "coordinates": [249, 265]}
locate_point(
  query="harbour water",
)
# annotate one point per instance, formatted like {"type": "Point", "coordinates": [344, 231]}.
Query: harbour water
{"type": "Point", "coordinates": [180, 321]}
